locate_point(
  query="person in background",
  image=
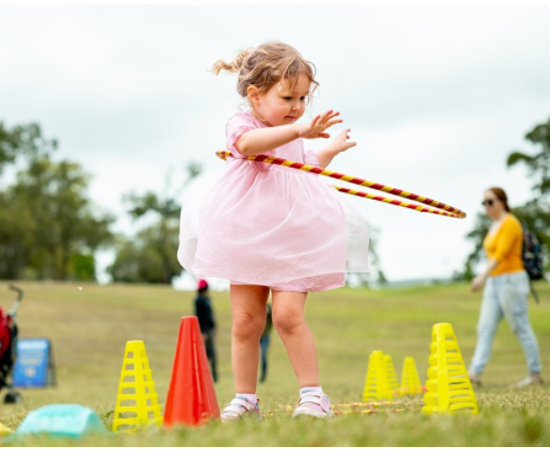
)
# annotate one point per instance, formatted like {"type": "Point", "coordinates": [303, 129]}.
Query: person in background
{"type": "Point", "coordinates": [207, 323]}
{"type": "Point", "coordinates": [506, 289]}
{"type": "Point", "coordinates": [264, 342]}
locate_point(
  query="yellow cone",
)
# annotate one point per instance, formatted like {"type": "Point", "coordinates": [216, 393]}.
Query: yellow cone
{"type": "Point", "coordinates": [4, 430]}
{"type": "Point", "coordinates": [410, 381]}
{"type": "Point", "coordinates": [449, 388]}
{"type": "Point", "coordinates": [377, 385]}
{"type": "Point", "coordinates": [392, 376]}
{"type": "Point", "coordinates": [137, 404]}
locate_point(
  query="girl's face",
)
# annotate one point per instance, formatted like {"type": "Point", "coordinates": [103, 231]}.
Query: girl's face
{"type": "Point", "coordinates": [281, 104]}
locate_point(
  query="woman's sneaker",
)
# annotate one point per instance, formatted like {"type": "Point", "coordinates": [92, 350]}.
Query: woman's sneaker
{"type": "Point", "coordinates": [531, 380]}
{"type": "Point", "coordinates": [314, 404]}
{"type": "Point", "coordinates": [240, 407]}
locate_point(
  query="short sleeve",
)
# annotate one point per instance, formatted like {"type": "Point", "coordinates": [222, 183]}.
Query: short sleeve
{"type": "Point", "coordinates": [510, 232]}
{"type": "Point", "coordinates": [235, 127]}
{"type": "Point", "coordinates": [310, 157]}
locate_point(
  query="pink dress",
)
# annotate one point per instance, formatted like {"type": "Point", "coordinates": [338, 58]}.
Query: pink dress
{"type": "Point", "coordinates": [269, 225]}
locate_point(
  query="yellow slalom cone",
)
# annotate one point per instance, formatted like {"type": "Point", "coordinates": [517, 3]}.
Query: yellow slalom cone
{"type": "Point", "coordinates": [392, 376]}
{"type": "Point", "coordinates": [377, 386]}
{"type": "Point", "coordinates": [4, 430]}
{"type": "Point", "coordinates": [410, 381]}
{"type": "Point", "coordinates": [137, 404]}
{"type": "Point", "coordinates": [449, 388]}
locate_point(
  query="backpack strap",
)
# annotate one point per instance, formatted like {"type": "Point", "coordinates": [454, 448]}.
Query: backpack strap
{"type": "Point", "coordinates": [535, 295]}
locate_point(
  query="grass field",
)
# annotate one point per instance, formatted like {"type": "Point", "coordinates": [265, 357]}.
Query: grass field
{"type": "Point", "coordinates": [89, 329]}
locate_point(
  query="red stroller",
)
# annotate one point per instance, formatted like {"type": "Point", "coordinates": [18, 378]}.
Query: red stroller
{"type": "Point", "coordinates": [8, 347]}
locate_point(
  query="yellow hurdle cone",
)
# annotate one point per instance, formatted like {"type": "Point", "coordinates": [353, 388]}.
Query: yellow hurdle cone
{"type": "Point", "coordinates": [392, 376]}
{"type": "Point", "coordinates": [410, 381]}
{"type": "Point", "coordinates": [137, 404]}
{"type": "Point", "coordinates": [377, 384]}
{"type": "Point", "coordinates": [448, 387]}
{"type": "Point", "coordinates": [4, 430]}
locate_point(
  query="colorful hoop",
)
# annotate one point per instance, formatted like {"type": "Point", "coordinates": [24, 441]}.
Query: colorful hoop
{"type": "Point", "coordinates": [437, 207]}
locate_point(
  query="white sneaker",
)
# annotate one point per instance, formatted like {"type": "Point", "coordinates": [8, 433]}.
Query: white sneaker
{"type": "Point", "coordinates": [240, 407]}
{"type": "Point", "coordinates": [313, 404]}
{"type": "Point", "coordinates": [531, 380]}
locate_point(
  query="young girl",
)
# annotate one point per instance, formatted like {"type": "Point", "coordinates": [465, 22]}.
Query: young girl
{"type": "Point", "coordinates": [272, 229]}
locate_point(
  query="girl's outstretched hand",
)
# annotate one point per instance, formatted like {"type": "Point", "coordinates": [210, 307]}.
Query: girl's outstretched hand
{"type": "Point", "coordinates": [340, 143]}
{"type": "Point", "coordinates": [316, 128]}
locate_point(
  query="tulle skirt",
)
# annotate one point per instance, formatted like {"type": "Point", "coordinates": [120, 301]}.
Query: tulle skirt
{"type": "Point", "coordinates": [271, 226]}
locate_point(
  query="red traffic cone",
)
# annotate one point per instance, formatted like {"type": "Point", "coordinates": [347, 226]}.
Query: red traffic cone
{"type": "Point", "coordinates": [191, 396]}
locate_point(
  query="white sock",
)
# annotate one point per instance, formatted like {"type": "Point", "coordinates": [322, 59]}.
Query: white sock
{"type": "Point", "coordinates": [316, 389]}
{"type": "Point", "coordinates": [250, 398]}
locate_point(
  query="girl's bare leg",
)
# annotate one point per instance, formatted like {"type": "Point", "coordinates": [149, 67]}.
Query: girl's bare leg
{"type": "Point", "coordinates": [289, 321]}
{"type": "Point", "coordinates": [248, 312]}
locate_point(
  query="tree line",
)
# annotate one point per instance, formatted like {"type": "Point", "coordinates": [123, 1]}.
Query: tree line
{"type": "Point", "coordinates": [50, 228]}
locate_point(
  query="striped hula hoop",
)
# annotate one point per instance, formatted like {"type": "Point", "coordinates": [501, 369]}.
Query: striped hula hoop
{"type": "Point", "coordinates": [435, 207]}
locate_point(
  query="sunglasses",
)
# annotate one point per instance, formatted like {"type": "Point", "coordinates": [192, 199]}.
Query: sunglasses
{"type": "Point", "coordinates": [488, 202]}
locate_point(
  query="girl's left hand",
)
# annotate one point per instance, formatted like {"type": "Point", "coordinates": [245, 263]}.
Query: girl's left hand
{"type": "Point", "coordinates": [341, 143]}
{"type": "Point", "coordinates": [338, 145]}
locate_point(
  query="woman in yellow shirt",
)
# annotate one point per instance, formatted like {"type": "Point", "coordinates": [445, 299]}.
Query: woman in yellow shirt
{"type": "Point", "coordinates": [506, 289]}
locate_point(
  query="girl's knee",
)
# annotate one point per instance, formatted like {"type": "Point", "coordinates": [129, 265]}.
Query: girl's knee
{"type": "Point", "coordinates": [247, 326]}
{"type": "Point", "coordinates": [285, 320]}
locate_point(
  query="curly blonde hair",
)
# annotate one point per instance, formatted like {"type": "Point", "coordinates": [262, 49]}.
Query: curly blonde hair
{"type": "Point", "coordinates": [267, 65]}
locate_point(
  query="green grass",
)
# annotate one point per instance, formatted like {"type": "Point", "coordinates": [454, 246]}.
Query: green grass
{"type": "Point", "coordinates": [89, 329]}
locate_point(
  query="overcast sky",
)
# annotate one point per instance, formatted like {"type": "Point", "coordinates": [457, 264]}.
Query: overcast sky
{"type": "Point", "coordinates": [435, 96]}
